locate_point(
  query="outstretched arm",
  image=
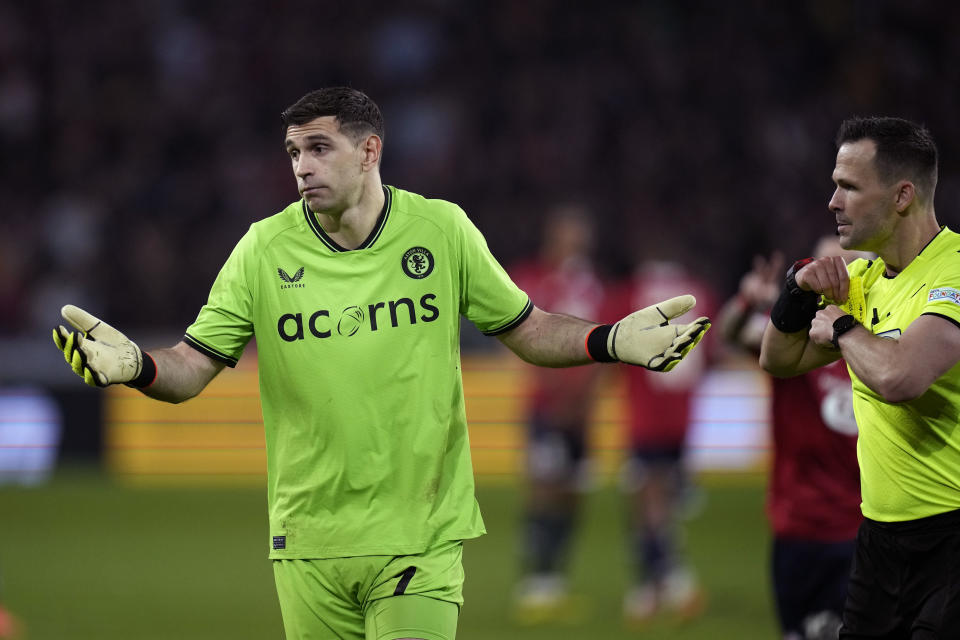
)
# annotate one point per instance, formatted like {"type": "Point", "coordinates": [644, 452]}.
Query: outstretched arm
{"type": "Point", "coordinates": [645, 337]}
{"type": "Point", "coordinates": [182, 373]}
{"type": "Point", "coordinates": [550, 339]}
{"type": "Point", "coordinates": [102, 356]}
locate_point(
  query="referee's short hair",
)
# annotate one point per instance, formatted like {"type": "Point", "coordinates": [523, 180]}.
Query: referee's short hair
{"type": "Point", "coordinates": [905, 149]}
{"type": "Point", "coordinates": [356, 113]}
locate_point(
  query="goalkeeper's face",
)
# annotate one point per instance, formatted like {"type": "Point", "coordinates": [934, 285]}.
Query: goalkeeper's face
{"type": "Point", "coordinates": [330, 167]}
{"type": "Point", "coordinates": [864, 206]}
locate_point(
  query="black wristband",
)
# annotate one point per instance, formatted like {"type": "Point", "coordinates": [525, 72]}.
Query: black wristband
{"type": "Point", "coordinates": [795, 308]}
{"type": "Point", "coordinates": [597, 343]}
{"type": "Point", "coordinates": [148, 373]}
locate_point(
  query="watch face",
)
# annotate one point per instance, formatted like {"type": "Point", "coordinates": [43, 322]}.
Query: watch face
{"type": "Point", "coordinates": [840, 326]}
{"type": "Point", "coordinates": [844, 323]}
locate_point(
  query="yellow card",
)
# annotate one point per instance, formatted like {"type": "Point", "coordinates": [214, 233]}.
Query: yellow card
{"type": "Point", "coordinates": [855, 305]}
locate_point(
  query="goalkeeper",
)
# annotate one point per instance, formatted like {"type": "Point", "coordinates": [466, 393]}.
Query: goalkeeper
{"type": "Point", "coordinates": [355, 293]}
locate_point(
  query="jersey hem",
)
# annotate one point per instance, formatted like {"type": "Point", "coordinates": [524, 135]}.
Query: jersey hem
{"type": "Point", "coordinates": [916, 512]}
{"type": "Point", "coordinates": [320, 553]}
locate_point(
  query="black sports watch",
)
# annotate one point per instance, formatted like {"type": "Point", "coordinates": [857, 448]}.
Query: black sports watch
{"type": "Point", "coordinates": [840, 326]}
{"type": "Point", "coordinates": [792, 287]}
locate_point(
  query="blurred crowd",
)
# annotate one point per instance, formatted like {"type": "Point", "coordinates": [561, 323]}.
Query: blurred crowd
{"type": "Point", "coordinates": [140, 138]}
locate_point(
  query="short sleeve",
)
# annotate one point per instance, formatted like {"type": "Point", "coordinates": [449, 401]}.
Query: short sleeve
{"type": "Point", "coordinates": [488, 297]}
{"type": "Point", "coordinates": [225, 323]}
{"type": "Point", "coordinates": [943, 298]}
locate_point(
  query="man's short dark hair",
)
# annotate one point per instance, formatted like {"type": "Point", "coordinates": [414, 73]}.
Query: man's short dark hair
{"type": "Point", "coordinates": [355, 112]}
{"type": "Point", "coordinates": [905, 150]}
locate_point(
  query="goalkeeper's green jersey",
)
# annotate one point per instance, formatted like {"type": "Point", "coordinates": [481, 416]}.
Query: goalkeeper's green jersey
{"type": "Point", "coordinates": [359, 365]}
{"type": "Point", "coordinates": [909, 452]}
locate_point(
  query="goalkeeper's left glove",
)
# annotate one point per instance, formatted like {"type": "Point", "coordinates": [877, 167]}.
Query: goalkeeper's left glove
{"type": "Point", "coordinates": [646, 337]}
{"type": "Point", "coordinates": [100, 354]}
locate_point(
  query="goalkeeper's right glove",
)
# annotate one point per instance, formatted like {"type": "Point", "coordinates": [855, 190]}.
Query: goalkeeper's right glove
{"type": "Point", "coordinates": [646, 337]}
{"type": "Point", "coordinates": [100, 354]}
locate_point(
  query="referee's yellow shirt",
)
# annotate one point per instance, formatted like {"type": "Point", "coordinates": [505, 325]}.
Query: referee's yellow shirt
{"type": "Point", "coordinates": [909, 452]}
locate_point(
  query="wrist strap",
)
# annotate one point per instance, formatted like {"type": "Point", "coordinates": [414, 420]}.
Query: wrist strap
{"type": "Point", "coordinates": [795, 308]}
{"type": "Point", "coordinates": [596, 343]}
{"type": "Point", "coordinates": [148, 373]}
{"type": "Point", "coordinates": [839, 332]}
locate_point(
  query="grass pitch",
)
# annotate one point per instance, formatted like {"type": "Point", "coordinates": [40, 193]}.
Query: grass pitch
{"type": "Point", "coordinates": [86, 558]}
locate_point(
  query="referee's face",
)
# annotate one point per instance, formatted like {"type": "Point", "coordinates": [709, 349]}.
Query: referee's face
{"type": "Point", "coordinates": [328, 165]}
{"type": "Point", "coordinates": [864, 207]}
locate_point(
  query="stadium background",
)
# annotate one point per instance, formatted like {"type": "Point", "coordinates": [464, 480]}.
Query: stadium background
{"type": "Point", "coordinates": [139, 139]}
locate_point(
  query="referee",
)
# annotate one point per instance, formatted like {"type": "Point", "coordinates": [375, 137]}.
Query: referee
{"type": "Point", "coordinates": [896, 322]}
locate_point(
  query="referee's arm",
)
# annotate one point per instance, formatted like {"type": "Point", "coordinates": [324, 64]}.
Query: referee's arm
{"type": "Point", "coordinates": [785, 355]}
{"type": "Point", "coordinates": [902, 370]}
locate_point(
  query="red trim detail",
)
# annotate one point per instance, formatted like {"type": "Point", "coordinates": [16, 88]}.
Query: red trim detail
{"type": "Point", "coordinates": [154, 378]}
{"type": "Point", "coordinates": [587, 340]}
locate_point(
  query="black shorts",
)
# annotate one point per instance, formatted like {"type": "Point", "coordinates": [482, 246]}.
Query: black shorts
{"type": "Point", "coordinates": [809, 578]}
{"type": "Point", "coordinates": [905, 581]}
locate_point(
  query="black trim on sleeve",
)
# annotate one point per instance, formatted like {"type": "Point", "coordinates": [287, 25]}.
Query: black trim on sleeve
{"type": "Point", "coordinates": [940, 315]}
{"type": "Point", "coordinates": [210, 352]}
{"type": "Point", "coordinates": [527, 310]}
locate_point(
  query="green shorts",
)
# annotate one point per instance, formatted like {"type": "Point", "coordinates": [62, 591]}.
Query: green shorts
{"type": "Point", "coordinates": [373, 597]}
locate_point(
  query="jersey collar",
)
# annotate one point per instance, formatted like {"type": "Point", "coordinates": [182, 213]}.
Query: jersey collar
{"type": "Point", "coordinates": [931, 248]}
{"type": "Point", "coordinates": [940, 234]}
{"type": "Point", "coordinates": [315, 225]}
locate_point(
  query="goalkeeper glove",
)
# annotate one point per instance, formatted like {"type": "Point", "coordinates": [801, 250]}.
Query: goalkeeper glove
{"type": "Point", "coordinates": [646, 337]}
{"type": "Point", "coordinates": [100, 354]}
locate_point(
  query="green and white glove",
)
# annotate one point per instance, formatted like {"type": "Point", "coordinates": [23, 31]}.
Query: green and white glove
{"type": "Point", "coordinates": [100, 354]}
{"type": "Point", "coordinates": [646, 337]}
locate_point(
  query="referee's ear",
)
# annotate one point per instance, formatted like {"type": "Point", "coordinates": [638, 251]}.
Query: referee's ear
{"type": "Point", "coordinates": [906, 194]}
{"type": "Point", "coordinates": [372, 147]}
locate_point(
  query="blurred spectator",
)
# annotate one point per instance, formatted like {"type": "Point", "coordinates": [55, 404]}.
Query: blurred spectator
{"type": "Point", "coordinates": [813, 499]}
{"type": "Point", "coordinates": [561, 278]}
{"type": "Point", "coordinates": [166, 115]}
{"type": "Point", "coordinates": [657, 481]}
